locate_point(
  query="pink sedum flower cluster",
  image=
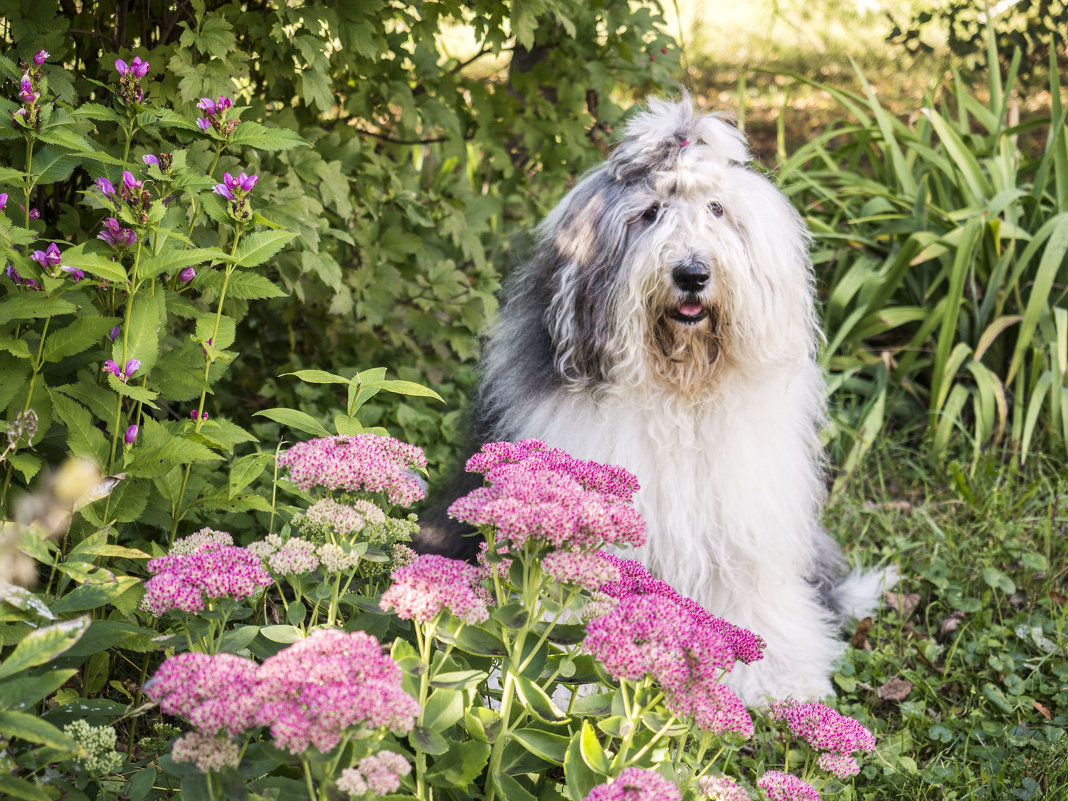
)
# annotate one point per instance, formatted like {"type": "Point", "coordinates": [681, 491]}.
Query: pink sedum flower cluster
{"type": "Point", "coordinates": [293, 556]}
{"type": "Point", "coordinates": [635, 579]}
{"type": "Point", "coordinates": [379, 774]}
{"type": "Point", "coordinates": [432, 583]}
{"type": "Point", "coordinates": [651, 635]}
{"type": "Point", "coordinates": [587, 570]}
{"type": "Point", "coordinates": [779, 786]}
{"type": "Point", "coordinates": [311, 692]}
{"type": "Point", "coordinates": [186, 581]}
{"type": "Point", "coordinates": [215, 693]}
{"type": "Point", "coordinates": [184, 546]}
{"type": "Point", "coordinates": [828, 731]}
{"type": "Point", "coordinates": [365, 462]}
{"type": "Point", "coordinates": [344, 519]}
{"type": "Point", "coordinates": [553, 508]}
{"type": "Point", "coordinates": [635, 784]}
{"type": "Point", "coordinates": [722, 788]}
{"type": "Point", "coordinates": [498, 460]}
{"type": "Point", "coordinates": [210, 754]}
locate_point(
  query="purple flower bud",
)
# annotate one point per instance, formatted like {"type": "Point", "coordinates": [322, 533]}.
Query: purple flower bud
{"type": "Point", "coordinates": [224, 190]}
{"type": "Point", "coordinates": [203, 123]}
{"type": "Point", "coordinates": [204, 416]}
{"type": "Point", "coordinates": [138, 67]}
{"type": "Point", "coordinates": [114, 334]}
{"type": "Point", "coordinates": [3, 199]}
{"type": "Point", "coordinates": [35, 214]}
{"type": "Point", "coordinates": [29, 283]}
{"type": "Point", "coordinates": [130, 435]}
{"type": "Point", "coordinates": [26, 93]}
{"type": "Point", "coordinates": [75, 274]}
{"type": "Point", "coordinates": [49, 257]}
{"type": "Point", "coordinates": [139, 95]}
{"type": "Point", "coordinates": [223, 103]}
{"type": "Point", "coordinates": [111, 367]}
{"type": "Point", "coordinates": [105, 186]}
{"type": "Point", "coordinates": [13, 274]}
{"type": "Point", "coordinates": [131, 367]}
{"type": "Point", "coordinates": [129, 181]}
{"type": "Point", "coordinates": [194, 414]}
{"type": "Point", "coordinates": [150, 160]}
{"type": "Point", "coordinates": [187, 275]}
{"type": "Point", "coordinates": [207, 104]}
{"type": "Point", "coordinates": [121, 66]}
{"type": "Point", "coordinates": [40, 57]}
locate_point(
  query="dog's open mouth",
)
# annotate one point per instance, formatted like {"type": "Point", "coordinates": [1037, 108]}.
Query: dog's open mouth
{"type": "Point", "coordinates": [690, 312]}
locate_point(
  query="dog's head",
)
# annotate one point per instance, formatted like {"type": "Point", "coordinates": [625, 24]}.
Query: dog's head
{"type": "Point", "coordinates": [675, 261]}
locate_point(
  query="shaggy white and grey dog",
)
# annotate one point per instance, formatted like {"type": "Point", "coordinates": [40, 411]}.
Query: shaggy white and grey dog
{"type": "Point", "coordinates": [666, 323]}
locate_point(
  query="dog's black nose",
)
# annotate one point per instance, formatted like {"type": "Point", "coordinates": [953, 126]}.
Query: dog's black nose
{"type": "Point", "coordinates": [691, 277]}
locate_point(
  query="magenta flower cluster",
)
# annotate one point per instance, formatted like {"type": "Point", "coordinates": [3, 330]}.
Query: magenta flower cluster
{"type": "Point", "coordinates": [651, 635]}
{"type": "Point", "coordinates": [779, 786]}
{"type": "Point", "coordinates": [636, 784]}
{"type": "Point", "coordinates": [378, 774]}
{"type": "Point", "coordinates": [635, 579]}
{"type": "Point", "coordinates": [828, 731]}
{"type": "Point", "coordinates": [307, 694]}
{"type": "Point", "coordinates": [130, 76]}
{"type": "Point", "coordinates": [431, 584]}
{"type": "Point", "coordinates": [186, 582]}
{"type": "Point", "coordinates": [215, 115]}
{"type": "Point", "coordinates": [365, 462]}
{"type": "Point", "coordinates": [113, 233]}
{"type": "Point", "coordinates": [553, 508]}
{"type": "Point", "coordinates": [124, 373]}
{"type": "Point", "coordinates": [498, 459]}
{"type": "Point", "coordinates": [313, 691]}
{"type": "Point", "coordinates": [235, 188]}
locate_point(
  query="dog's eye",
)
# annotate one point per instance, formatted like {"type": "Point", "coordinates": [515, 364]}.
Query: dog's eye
{"type": "Point", "coordinates": [716, 208]}
{"type": "Point", "coordinates": [651, 213]}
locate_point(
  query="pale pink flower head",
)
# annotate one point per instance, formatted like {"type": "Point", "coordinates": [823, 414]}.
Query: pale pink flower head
{"type": "Point", "coordinates": [209, 754]}
{"type": "Point", "coordinates": [553, 508]}
{"type": "Point", "coordinates": [840, 765]}
{"type": "Point", "coordinates": [204, 539]}
{"type": "Point", "coordinates": [214, 693]}
{"type": "Point", "coordinates": [722, 788]}
{"type": "Point", "coordinates": [296, 555]}
{"type": "Point", "coordinates": [431, 584]}
{"type": "Point", "coordinates": [636, 784]}
{"type": "Point", "coordinates": [364, 462]}
{"type": "Point", "coordinates": [497, 460]}
{"type": "Point", "coordinates": [779, 786]}
{"type": "Point", "coordinates": [380, 773]}
{"type": "Point", "coordinates": [313, 691]}
{"type": "Point", "coordinates": [587, 570]}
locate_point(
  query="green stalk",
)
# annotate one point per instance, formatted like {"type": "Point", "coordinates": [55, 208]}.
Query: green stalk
{"type": "Point", "coordinates": [308, 780]}
{"type": "Point", "coordinates": [29, 181]}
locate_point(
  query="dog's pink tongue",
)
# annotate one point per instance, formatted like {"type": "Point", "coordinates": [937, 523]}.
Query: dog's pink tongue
{"type": "Point", "coordinates": [690, 309]}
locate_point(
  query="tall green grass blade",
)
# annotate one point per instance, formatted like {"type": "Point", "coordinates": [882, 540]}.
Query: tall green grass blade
{"type": "Point", "coordinates": [1038, 300]}
{"type": "Point", "coordinates": [965, 161]}
{"type": "Point", "coordinates": [953, 300]}
{"type": "Point", "coordinates": [1034, 406]}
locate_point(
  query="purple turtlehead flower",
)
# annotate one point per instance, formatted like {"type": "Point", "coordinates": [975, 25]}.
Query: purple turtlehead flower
{"type": "Point", "coordinates": [105, 186]}
{"type": "Point", "coordinates": [115, 235]}
{"type": "Point", "coordinates": [243, 183]}
{"type": "Point", "coordinates": [75, 274]}
{"type": "Point", "coordinates": [111, 367]}
{"type": "Point", "coordinates": [187, 275]}
{"type": "Point", "coordinates": [222, 104]}
{"type": "Point", "coordinates": [114, 334]}
{"type": "Point", "coordinates": [131, 367]}
{"type": "Point", "coordinates": [26, 93]}
{"type": "Point", "coordinates": [129, 181]}
{"type": "Point", "coordinates": [137, 67]}
{"type": "Point", "coordinates": [13, 274]}
{"type": "Point", "coordinates": [130, 435]}
{"type": "Point", "coordinates": [224, 190]}
{"type": "Point", "coordinates": [35, 214]}
{"type": "Point", "coordinates": [3, 199]}
{"type": "Point", "coordinates": [29, 283]}
{"type": "Point", "coordinates": [203, 123]}
{"type": "Point", "coordinates": [40, 57]}
{"type": "Point", "coordinates": [150, 160]}
{"type": "Point", "coordinates": [49, 257]}
{"type": "Point", "coordinates": [121, 66]}
{"type": "Point", "coordinates": [207, 104]}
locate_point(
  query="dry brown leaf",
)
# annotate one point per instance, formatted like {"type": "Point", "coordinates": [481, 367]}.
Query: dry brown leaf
{"type": "Point", "coordinates": [859, 639]}
{"type": "Point", "coordinates": [901, 603]}
{"type": "Point", "coordinates": [949, 625]}
{"type": "Point", "coordinates": [1041, 710]}
{"type": "Point", "coordinates": [895, 690]}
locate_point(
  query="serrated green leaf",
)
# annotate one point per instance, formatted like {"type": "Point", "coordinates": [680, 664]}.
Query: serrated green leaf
{"type": "Point", "coordinates": [31, 306]}
{"type": "Point", "coordinates": [221, 337]}
{"type": "Point", "coordinates": [16, 347]}
{"type": "Point", "coordinates": [133, 391]}
{"type": "Point", "coordinates": [26, 463]}
{"type": "Point", "coordinates": [44, 645]}
{"type": "Point", "coordinates": [81, 334]}
{"type": "Point", "coordinates": [243, 285]}
{"type": "Point", "coordinates": [252, 134]}
{"type": "Point", "coordinates": [293, 418]}
{"type": "Point", "coordinates": [14, 787]}
{"type": "Point", "coordinates": [83, 438]}
{"type": "Point", "coordinates": [175, 260]}
{"type": "Point", "coordinates": [147, 322]}
{"type": "Point", "coordinates": [260, 246]}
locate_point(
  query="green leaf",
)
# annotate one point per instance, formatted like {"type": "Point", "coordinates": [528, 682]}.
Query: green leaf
{"type": "Point", "coordinates": [320, 377]}
{"type": "Point", "coordinates": [83, 438]}
{"type": "Point", "coordinates": [511, 789]}
{"type": "Point", "coordinates": [21, 598]}
{"type": "Point", "coordinates": [538, 702]}
{"type": "Point", "coordinates": [592, 753]}
{"type": "Point", "coordinates": [293, 418]}
{"type": "Point", "coordinates": [459, 679]}
{"type": "Point", "coordinates": [12, 787]}
{"type": "Point", "coordinates": [427, 741]}
{"type": "Point", "coordinates": [148, 322]}
{"type": "Point", "coordinates": [444, 708]}
{"type": "Point", "coordinates": [257, 136]}
{"type": "Point", "coordinates": [26, 463]}
{"type": "Point", "coordinates": [257, 248]}
{"type": "Point", "coordinates": [20, 693]}
{"type": "Point", "coordinates": [95, 263]}
{"type": "Point", "coordinates": [34, 730]}
{"type": "Point", "coordinates": [578, 774]}
{"type": "Point", "coordinates": [81, 334]}
{"type": "Point", "coordinates": [174, 260]}
{"type": "Point", "coordinates": [460, 766]}
{"type": "Point", "coordinates": [282, 633]}
{"type": "Point", "coordinates": [548, 746]}
{"type": "Point", "coordinates": [31, 306]}
{"type": "Point", "coordinates": [44, 645]}
{"type": "Point", "coordinates": [138, 393]}
{"type": "Point", "coordinates": [405, 388]}
{"type": "Point", "coordinates": [94, 596]}
{"type": "Point", "coordinates": [246, 470]}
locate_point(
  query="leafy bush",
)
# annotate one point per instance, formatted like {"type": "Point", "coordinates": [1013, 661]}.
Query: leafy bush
{"type": "Point", "coordinates": [941, 241]}
{"type": "Point", "coordinates": [436, 131]}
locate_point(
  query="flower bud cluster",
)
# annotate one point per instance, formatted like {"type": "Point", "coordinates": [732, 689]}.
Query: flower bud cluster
{"type": "Point", "coordinates": [378, 774]}
{"type": "Point", "coordinates": [130, 76]}
{"type": "Point", "coordinates": [29, 95]}
{"type": "Point", "coordinates": [215, 112]}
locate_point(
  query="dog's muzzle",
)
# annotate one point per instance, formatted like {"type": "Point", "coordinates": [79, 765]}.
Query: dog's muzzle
{"type": "Point", "coordinates": [690, 278]}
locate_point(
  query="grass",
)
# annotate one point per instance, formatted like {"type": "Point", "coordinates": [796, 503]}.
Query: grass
{"type": "Point", "coordinates": [963, 674]}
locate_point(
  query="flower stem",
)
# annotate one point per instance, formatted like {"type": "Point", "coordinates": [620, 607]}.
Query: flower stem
{"type": "Point", "coordinates": [308, 780]}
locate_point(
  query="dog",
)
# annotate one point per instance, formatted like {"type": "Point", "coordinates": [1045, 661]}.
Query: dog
{"type": "Point", "coordinates": [666, 322]}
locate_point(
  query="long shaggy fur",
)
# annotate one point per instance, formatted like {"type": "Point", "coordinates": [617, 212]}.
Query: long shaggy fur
{"type": "Point", "coordinates": [611, 346]}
